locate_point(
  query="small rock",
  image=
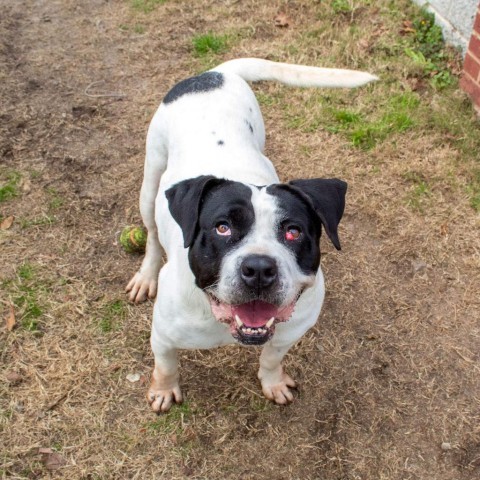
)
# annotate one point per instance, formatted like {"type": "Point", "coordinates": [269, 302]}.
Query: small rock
{"type": "Point", "coordinates": [418, 265]}
{"type": "Point", "coordinates": [446, 446]}
{"type": "Point", "coordinates": [133, 377]}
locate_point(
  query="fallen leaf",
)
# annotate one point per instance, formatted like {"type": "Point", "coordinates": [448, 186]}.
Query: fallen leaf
{"type": "Point", "coordinates": [417, 84]}
{"type": "Point", "coordinates": [7, 222]}
{"type": "Point", "coordinates": [51, 459]}
{"type": "Point", "coordinates": [444, 229]}
{"type": "Point", "coordinates": [282, 20]}
{"type": "Point", "coordinates": [407, 28]}
{"type": "Point", "coordinates": [364, 44]}
{"type": "Point", "coordinates": [13, 378]}
{"type": "Point", "coordinates": [10, 320]}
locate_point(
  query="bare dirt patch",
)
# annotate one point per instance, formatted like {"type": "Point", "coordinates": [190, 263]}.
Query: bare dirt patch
{"type": "Point", "coordinates": [389, 377]}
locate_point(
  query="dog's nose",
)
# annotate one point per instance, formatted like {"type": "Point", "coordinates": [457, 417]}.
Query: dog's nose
{"type": "Point", "coordinates": [259, 271]}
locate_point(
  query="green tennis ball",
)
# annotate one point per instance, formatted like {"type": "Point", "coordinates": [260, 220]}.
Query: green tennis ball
{"type": "Point", "coordinates": [133, 239]}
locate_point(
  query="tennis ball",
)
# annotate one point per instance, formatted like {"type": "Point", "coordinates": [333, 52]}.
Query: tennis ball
{"type": "Point", "coordinates": [133, 239]}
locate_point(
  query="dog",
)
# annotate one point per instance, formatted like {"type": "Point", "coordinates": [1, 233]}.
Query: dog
{"type": "Point", "coordinates": [243, 248]}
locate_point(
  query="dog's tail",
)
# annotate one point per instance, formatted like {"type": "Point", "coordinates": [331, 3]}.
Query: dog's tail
{"type": "Point", "coordinates": [256, 69]}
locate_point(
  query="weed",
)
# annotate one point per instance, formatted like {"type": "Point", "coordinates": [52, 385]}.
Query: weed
{"type": "Point", "coordinates": [171, 422]}
{"type": "Point", "coordinates": [428, 35]}
{"type": "Point", "coordinates": [146, 6]}
{"type": "Point", "coordinates": [427, 50]}
{"type": "Point", "coordinates": [443, 79]}
{"type": "Point", "coordinates": [209, 43]}
{"type": "Point", "coordinates": [10, 188]}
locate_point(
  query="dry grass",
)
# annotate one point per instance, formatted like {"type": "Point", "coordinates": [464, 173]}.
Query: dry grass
{"type": "Point", "coordinates": [391, 370]}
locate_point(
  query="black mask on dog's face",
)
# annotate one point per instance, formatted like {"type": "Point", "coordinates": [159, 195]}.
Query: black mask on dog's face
{"type": "Point", "coordinates": [216, 215]}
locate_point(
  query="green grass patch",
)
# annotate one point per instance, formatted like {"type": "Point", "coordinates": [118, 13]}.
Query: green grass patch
{"type": "Point", "coordinates": [27, 298]}
{"type": "Point", "coordinates": [146, 6]}
{"type": "Point", "coordinates": [56, 201]}
{"type": "Point", "coordinates": [396, 116]}
{"type": "Point", "coordinates": [172, 421]}
{"type": "Point", "coordinates": [37, 221]}
{"type": "Point", "coordinates": [137, 28]}
{"type": "Point", "coordinates": [419, 192]}
{"type": "Point", "coordinates": [112, 316]}
{"type": "Point", "coordinates": [9, 188]}
{"type": "Point", "coordinates": [210, 43]}
{"type": "Point", "coordinates": [342, 6]}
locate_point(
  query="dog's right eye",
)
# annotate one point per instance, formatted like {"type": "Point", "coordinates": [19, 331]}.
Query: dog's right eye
{"type": "Point", "coordinates": [223, 228]}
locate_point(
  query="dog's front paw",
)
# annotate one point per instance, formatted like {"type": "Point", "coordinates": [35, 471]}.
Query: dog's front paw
{"type": "Point", "coordinates": [278, 391]}
{"type": "Point", "coordinates": [141, 285]}
{"type": "Point", "coordinates": [162, 400]}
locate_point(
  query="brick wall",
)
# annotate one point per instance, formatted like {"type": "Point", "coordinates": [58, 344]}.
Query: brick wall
{"type": "Point", "coordinates": [470, 81]}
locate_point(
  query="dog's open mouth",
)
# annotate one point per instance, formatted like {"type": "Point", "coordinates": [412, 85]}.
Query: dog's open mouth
{"type": "Point", "coordinates": [251, 323]}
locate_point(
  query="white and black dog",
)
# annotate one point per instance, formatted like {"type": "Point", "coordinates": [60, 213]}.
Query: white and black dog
{"type": "Point", "coordinates": [243, 249]}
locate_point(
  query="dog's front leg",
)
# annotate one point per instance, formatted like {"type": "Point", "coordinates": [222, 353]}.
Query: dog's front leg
{"type": "Point", "coordinates": [144, 283]}
{"type": "Point", "coordinates": [164, 388]}
{"type": "Point", "coordinates": [276, 384]}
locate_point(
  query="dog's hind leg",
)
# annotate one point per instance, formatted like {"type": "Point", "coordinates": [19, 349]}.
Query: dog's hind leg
{"type": "Point", "coordinates": [276, 384]}
{"type": "Point", "coordinates": [144, 282]}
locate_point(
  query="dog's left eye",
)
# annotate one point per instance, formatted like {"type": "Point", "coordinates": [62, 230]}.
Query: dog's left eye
{"type": "Point", "coordinates": [292, 233]}
{"type": "Point", "coordinates": [223, 228]}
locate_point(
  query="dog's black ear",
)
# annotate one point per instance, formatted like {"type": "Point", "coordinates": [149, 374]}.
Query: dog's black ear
{"type": "Point", "coordinates": [185, 200]}
{"type": "Point", "coordinates": [327, 197]}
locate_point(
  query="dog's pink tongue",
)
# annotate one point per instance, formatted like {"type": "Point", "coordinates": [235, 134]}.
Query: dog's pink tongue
{"type": "Point", "coordinates": [255, 314]}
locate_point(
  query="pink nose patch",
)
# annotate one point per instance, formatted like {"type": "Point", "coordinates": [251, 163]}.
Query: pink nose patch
{"type": "Point", "coordinates": [256, 313]}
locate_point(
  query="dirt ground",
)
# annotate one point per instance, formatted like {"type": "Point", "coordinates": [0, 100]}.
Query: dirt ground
{"type": "Point", "coordinates": [388, 379]}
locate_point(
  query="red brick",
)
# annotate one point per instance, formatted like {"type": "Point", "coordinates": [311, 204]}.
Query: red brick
{"type": "Point", "coordinates": [471, 87]}
{"type": "Point", "coordinates": [472, 66]}
{"type": "Point", "coordinates": [476, 25]}
{"type": "Point", "coordinates": [474, 45]}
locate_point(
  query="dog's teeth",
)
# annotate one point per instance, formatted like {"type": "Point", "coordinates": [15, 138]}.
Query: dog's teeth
{"type": "Point", "coordinates": [239, 322]}
{"type": "Point", "coordinates": [248, 330]}
{"type": "Point", "coordinates": [270, 322]}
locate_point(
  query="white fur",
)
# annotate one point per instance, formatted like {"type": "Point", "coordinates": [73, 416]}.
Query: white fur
{"type": "Point", "coordinates": [182, 143]}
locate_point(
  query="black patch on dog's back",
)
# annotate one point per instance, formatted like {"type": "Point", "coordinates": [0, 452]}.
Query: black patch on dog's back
{"type": "Point", "coordinates": [205, 82]}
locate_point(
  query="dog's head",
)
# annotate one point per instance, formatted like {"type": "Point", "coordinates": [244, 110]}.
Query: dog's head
{"type": "Point", "coordinates": [253, 250]}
